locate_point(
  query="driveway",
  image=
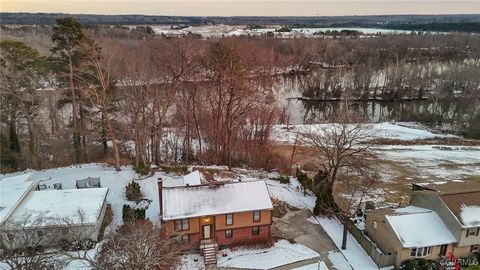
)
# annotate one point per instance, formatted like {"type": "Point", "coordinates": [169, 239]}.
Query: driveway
{"type": "Point", "coordinates": [294, 225]}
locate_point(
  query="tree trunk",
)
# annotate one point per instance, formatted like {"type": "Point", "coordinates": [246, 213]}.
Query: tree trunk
{"type": "Point", "coordinates": [116, 153]}
{"type": "Point", "coordinates": [31, 144]}
{"type": "Point", "coordinates": [103, 136]}
{"type": "Point", "coordinates": [345, 233]}
{"type": "Point", "coordinates": [325, 204]}
{"type": "Point", "coordinates": [76, 134]}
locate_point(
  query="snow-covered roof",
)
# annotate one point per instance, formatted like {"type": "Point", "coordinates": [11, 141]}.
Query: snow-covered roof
{"type": "Point", "coordinates": [465, 206]}
{"type": "Point", "coordinates": [196, 201]}
{"type": "Point", "coordinates": [470, 215]}
{"type": "Point", "coordinates": [54, 205]}
{"type": "Point", "coordinates": [417, 228]}
{"type": "Point", "coordinates": [191, 179]}
{"type": "Point", "coordinates": [12, 190]}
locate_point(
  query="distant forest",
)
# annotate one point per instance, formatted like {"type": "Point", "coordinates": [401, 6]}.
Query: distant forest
{"type": "Point", "coordinates": [444, 23]}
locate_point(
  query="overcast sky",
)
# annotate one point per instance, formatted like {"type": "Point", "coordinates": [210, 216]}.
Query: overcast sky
{"type": "Point", "coordinates": [245, 7]}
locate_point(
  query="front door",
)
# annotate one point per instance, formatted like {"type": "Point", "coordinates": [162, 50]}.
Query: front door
{"type": "Point", "coordinates": [443, 250]}
{"type": "Point", "coordinates": [207, 231]}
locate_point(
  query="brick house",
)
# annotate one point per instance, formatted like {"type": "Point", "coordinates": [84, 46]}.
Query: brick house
{"type": "Point", "coordinates": [220, 212]}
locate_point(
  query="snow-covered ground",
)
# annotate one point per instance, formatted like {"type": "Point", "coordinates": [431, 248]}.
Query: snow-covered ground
{"type": "Point", "coordinates": [440, 162]}
{"type": "Point", "coordinates": [281, 253]}
{"type": "Point", "coordinates": [113, 180]}
{"type": "Point", "coordinates": [354, 253]}
{"type": "Point", "coordinates": [291, 194]}
{"type": "Point", "coordinates": [405, 131]}
{"type": "Point", "coordinates": [187, 262]}
{"type": "Point", "coordinates": [222, 30]}
{"type": "Point", "coordinates": [315, 266]}
{"type": "Point", "coordinates": [431, 162]}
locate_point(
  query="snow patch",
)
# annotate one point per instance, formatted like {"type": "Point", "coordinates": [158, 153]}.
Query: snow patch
{"type": "Point", "coordinates": [470, 215]}
{"type": "Point", "coordinates": [281, 253]}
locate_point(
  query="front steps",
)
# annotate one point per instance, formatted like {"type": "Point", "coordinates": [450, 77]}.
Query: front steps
{"type": "Point", "coordinates": [208, 248]}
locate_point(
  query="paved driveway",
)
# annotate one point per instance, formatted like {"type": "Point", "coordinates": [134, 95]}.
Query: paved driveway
{"type": "Point", "coordinates": [294, 225]}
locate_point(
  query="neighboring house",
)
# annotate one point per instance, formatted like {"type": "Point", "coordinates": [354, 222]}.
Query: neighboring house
{"type": "Point", "coordinates": [458, 205]}
{"type": "Point", "coordinates": [409, 233]}
{"type": "Point", "coordinates": [48, 217]}
{"type": "Point", "coordinates": [219, 212]}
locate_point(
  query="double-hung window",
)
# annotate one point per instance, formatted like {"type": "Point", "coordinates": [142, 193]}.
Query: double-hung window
{"type": "Point", "coordinates": [181, 225]}
{"type": "Point", "coordinates": [256, 216]}
{"type": "Point", "coordinates": [229, 219]}
{"type": "Point", "coordinates": [471, 232]}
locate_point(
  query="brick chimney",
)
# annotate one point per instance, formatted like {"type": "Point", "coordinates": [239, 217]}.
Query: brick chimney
{"type": "Point", "coordinates": [160, 188]}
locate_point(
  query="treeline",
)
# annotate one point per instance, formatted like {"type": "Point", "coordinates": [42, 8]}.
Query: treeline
{"type": "Point", "coordinates": [124, 95]}
{"type": "Point", "coordinates": [153, 100]}
{"type": "Point", "coordinates": [469, 27]}
{"type": "Point", "coordinates": [410, 22]}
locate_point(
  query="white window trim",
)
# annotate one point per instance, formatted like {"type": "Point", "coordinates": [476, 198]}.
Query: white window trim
{"type": "Point", "coordinates": [226, 219]}
{"type": "Point", "coordinates": [259, 216]}
{"type": "Point", "coordinates": [184, 225]}
{"type": "Point", "coordinates": [421, 252]}
{"type": "Point", "coordinates": [472, 231]}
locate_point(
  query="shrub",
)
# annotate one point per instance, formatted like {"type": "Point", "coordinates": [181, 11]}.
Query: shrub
{"type": "Point", "coordinates": [142, 168]}
{"type": "Point", "coordinates": [304, 180]}
{"type": "Point", "coordinates": [178, 169]}
{"type": "Point", "coordinates": [419, 264]}
{"type": "Point", "coordinates": [133, 192]}
{"type": "Point", "coordinates": [284, 179]}
{"type": "Point", "coordinates": [320, 177]}
{"type": "Point", "coordinates": [130, 214]}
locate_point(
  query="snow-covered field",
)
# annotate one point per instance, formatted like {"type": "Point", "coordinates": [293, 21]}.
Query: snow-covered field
{"type": "Point", "coordinates": [222, 30]}
{"type": "Point", "coordinates": [423, 161]}
{"type": "Point", "coordinates": [434, 162]}
{"type": "Point", "coordinates": [281, 253]}
{"type": "Point", "coordinates": [404, 131]}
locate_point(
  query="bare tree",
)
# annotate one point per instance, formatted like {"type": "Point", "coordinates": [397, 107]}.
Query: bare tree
{"type": "Point", "coordinates": [339, 151]}
{"type": "Point", "coordinates": [100, 85]}
{"type": "Point", "coordinates": [138, 246]}
{"type": "Point", "coordinates": [22, 243]}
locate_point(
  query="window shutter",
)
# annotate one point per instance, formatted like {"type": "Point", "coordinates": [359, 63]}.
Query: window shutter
{"type": "Point", "coordinates": [478, 231]}
{"type": "Point", "coordinates": [468, 230]}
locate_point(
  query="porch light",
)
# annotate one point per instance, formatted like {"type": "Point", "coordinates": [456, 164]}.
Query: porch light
{"type": "Point", "coordinates": [206, 219]}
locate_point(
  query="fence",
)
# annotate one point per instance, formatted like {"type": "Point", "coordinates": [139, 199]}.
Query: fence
{"type": "Point", "coordinates": [382, 260]}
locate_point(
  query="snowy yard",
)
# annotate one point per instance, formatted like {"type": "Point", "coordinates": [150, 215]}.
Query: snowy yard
{"type": "Point", "coordinates": [281, 253]}
{"type": "Point", "coordinates": [291, 194]}
{"type": "Point", "coordinates": [113, 180]}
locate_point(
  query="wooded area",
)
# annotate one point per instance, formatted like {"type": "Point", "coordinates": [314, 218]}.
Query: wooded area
{"type": "Point", "coordinates": [122, 96]}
